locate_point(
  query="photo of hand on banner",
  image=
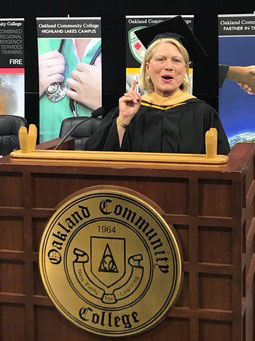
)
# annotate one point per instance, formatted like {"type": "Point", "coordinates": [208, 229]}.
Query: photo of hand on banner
{"type": "Point", "coordinates": [85, 85]}
{"type": "Point", "coordinates": [51, 70]}
{"type": "Point", "coordinates": [69, 81]}
{"type": "Point", "coordinates": [244, 76]}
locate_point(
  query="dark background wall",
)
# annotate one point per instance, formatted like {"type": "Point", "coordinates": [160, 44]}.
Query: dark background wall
{"type": "Point", "coordinates": [113, 34]}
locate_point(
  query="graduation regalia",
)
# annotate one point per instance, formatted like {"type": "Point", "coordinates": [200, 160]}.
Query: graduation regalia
{"type": "Point", "coordinates": [159, 126]}
{"type": "Point", "coordinates": [174, 124]}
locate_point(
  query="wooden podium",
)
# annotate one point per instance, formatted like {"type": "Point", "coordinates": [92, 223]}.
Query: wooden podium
{"type": "Point", "coordinates": [211, 208]}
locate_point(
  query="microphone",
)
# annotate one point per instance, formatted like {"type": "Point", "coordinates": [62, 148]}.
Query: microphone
{"type": "Point", "coordinates": [96, 113]}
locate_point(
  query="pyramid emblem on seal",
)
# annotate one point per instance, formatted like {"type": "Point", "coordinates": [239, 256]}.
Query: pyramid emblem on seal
{"type": "Point", "coordinates": [107, 263]}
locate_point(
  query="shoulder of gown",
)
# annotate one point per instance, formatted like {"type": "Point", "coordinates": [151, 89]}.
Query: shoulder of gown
{"type": "Point", "coordinates": [106, 136]}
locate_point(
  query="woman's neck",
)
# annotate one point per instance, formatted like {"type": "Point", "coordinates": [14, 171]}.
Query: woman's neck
{"type": "Point", "coordinates": [178, 97]}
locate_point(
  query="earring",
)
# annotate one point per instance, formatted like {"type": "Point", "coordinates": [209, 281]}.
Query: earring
{"type": "Point", "coordinates": [148, 77]}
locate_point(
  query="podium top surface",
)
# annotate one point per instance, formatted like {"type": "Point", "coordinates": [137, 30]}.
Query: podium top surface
{"type": "Point", "coordinates": [236, 162]}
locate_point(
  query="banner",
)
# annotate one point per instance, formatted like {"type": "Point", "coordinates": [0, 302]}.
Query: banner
{"type": "Point", "coordinates": [70, 81]}
{"type": "Point", "coordinates": [236, 48]}
{"type": "Point", "coordinates": [135, 50]}
{"type": "Point", "coordinates": [12, 88]}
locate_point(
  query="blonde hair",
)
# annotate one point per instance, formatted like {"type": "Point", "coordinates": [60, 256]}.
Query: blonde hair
{"type": "Point", "coordinates": [145, 83]}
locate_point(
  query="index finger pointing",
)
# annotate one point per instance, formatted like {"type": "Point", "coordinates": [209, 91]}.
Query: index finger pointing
{"type": "Point", "coordinates": [133, 85]}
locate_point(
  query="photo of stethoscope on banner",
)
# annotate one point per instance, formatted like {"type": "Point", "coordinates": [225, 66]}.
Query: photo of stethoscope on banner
{"type": "Point", "coordinates": [57, 91]}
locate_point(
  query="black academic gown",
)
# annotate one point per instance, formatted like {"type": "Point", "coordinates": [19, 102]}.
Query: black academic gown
{"type": "Point", "coordinates": [179, 129]}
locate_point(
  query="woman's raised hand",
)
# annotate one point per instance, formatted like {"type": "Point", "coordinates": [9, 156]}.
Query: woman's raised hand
{"type": "Point", "coordinates": [129, 104]}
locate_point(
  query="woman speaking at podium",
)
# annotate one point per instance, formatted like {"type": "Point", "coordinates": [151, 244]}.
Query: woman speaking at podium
{"type": "Point", "coordinates": [167, 118]}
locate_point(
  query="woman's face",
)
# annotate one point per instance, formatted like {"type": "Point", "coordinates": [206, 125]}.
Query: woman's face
{"type": "Point", "coordinates": [166, 69]}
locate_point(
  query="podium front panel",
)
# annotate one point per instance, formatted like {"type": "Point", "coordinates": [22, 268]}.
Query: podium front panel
{"type": "Point", "coordinates": [211, 209]}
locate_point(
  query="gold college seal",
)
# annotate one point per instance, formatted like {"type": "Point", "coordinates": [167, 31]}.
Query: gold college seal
{"type": "Point", "coordinates": [109, 262]}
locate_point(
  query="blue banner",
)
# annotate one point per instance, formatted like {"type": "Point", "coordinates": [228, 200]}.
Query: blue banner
{"type": "Point", "coordinates": [236, 52]}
